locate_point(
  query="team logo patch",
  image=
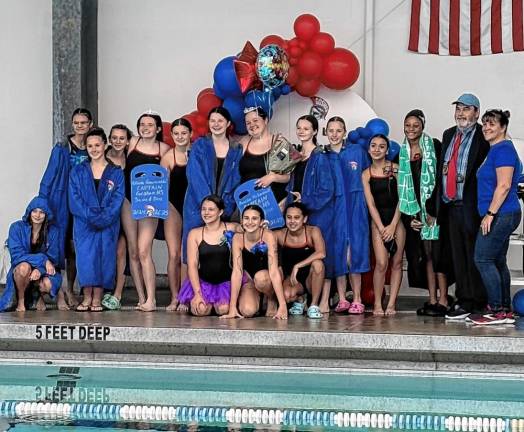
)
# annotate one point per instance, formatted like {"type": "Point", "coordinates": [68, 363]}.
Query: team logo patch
{"type": "Point", "coordinates": [110, 185]}
{"type": "Point", "coordinates": [353, 165]}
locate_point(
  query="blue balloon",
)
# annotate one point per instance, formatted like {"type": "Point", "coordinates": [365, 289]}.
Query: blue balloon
{"type": "Point", "coordinates": [393, 151]}
{"type": "Point", "coordinates": [218, 91]}
{"type": "Point", "coordinates": [235, 106]}
{"type": "Point", "coordinates": [286, 89]}
{"type": "Point", "coordinates": [366, 133]}
{"type": "Point", "coordinates": [353, 136]}
{"type": "Point", "coordinates": [276, 92]}
{"type": "Point", "coordinates": [262, 99]}
{"type": "Point", "coordinates": [518, 302]}
{"type": "Point", "coordinates": [377, 126]}
{"type": "Point", "coordinates": [226, 78]}
{"type": "Point", "coordinates": [364, 143]}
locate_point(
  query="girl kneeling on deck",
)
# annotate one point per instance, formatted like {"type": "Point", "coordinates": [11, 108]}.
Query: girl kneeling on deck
{"type": "Point", "coordinates": [255, 269]}
{"type": "Point", "coordinates": [208, 286]}
{"type": "Point", "coordinates": [96, 192]}
{"type": "Point", "coordinates": [34, 245]}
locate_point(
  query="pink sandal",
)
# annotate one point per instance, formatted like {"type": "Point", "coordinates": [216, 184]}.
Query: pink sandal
{"type": "Point", "coordinates": [356, 308]}
{"type": "Point", "coordinates": [342, 306]}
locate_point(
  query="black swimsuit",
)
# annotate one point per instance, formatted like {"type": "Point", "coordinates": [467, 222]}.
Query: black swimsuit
{"type": "Point", "coordinates": [214, 260]}
{"type": "Point", "coordinates": [385, 194]}
{"type": "Point", "coordinates": [253, 262]}
{"type": "Point", "coordinates": [134, 159]}
{"type": "Point", "coordinates": [253, 166]}
{"type": "Point", "coordinates": [292, 255]}
{"type": "Point", "coordinates": [177, 185]}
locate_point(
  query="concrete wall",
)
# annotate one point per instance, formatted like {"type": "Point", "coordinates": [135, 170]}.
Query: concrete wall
{"type": "Point", "coordinates": [25, 103]}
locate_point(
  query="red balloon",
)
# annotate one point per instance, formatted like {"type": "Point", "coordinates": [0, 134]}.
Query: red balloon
{"type": "Point", "coordinates": [341, 69]}
{"type": "Point", "coordinates": [310, 65]}
{"type": "Point", "coordinates": [295, 51]}
{"type": "Point", "coordinates": [292, 76]}
{"type": "Point", "coordinates": [205, 91]}
{"type": "Point", "coordinates": [306, 26]}
{"type": "Point", "coordinates": [368, 295]}
{"type": "Point", "coordinates": [206, 102]}
{"type": "Point", "coordinates": [191, 119]}
{"type": "Point", "coordinates": [322, 43]}
{"type": "Point", "coordinates": [308, 87]}
{"type": "Point", "coordinates": [293, 43]}
{"type": "Point", "coordinates": [302, 44]}
{"type": "Point", "coordinates": [201, 122]}
{"type": "Point", "coordinates": [201, 131]}
{"type": "Point", "coordinates": [272, 40]}
{"type": "Point", "coordinates": [293, 61]}
{"type": "Point", "coordinates": [166, 134]}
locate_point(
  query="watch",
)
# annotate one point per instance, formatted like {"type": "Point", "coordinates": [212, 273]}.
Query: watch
{"type": "Point", "coordinates": [490, 213]}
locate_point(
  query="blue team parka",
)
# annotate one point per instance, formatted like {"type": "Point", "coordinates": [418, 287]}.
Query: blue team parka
{"type": "Point", "coordinates": [201, 174]}
{"type": "Point", "coordinates": [53, 187]}
{"type": "Point", "coordinates": [324, 196]}
{"type": "Point", "coordinates": [354, 160]}
{"type": "Point", "coordinates": [19, 244]}
{"type": "Point", "coordinates": [96, 223]}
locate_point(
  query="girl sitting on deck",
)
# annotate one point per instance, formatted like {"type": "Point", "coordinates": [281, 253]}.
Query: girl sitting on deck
{"type": "Point", "coordinates": [34, 245]}
{"type": "Point", "coordinates": [208, 287]}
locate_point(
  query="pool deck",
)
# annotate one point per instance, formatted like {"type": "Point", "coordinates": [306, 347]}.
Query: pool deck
{"type": "Point", "coordinates": [404, 341]}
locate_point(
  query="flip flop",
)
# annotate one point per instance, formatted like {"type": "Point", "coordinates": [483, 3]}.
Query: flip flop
{"type": "Point", "coordinates": [313, 312]}
{"type": "Point", "coordinates": [342, 306]}
{"type": "Point", "coordinates": [82, 307]}
{"type": "Point", "coordinates": [111, 302]}
{"type": "Point", "coordinates": [96, 308]}
{"type": "Point", "coordinates": [297, 308]}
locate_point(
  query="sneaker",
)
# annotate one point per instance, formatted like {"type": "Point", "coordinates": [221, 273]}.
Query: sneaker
{"type": "Point", "coordinates": [457, 313]}
{"type": "Point", "coordinates": [492, 319]}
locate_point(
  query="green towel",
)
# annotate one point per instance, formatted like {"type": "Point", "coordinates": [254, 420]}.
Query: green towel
{"type": "Point", "coordinates": [408, 203]}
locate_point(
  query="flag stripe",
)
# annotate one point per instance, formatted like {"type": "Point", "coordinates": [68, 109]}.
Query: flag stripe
{"type": "Point", "coordinates": [454, 27]}
{"type": "Point", "coordinates": [434, 27]}
{"type": "Point", "coordinates": [466, 27]}
{"type": "Point", "coordinates": [465, 45]}
{"type": "Point", "coordinates": [496, 27]}
{"type": "Point", "coordinates": [475, 27]}
{"type": "Point", "coordinates": [518, 26]}
{"type": "Point", "coordinates": [415, 25]}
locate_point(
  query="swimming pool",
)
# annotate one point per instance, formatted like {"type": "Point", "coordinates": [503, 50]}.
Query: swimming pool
{"type": "Point", "coordinates": [60, 397]}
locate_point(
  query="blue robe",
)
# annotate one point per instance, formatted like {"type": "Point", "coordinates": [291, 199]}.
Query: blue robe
{"type": "Point", "coordinates": [19, 244]}
{"type": "Point", "coordinates": [354, 160]}
{"type": "Point", "coordinates": [323, 195]}
{"type": "Point", "coordinates": [54, 188]}
{"type": "Point", "coordinates": [96, 215]}
{"type": "Point", "coordinates": [201, 174]}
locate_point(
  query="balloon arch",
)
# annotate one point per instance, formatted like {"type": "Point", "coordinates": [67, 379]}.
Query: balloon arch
{"type": "Point", "coordinates": [303, 64]}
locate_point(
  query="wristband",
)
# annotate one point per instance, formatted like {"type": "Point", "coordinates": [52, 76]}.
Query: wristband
{"type": "Point", "coordinates": [490, 213]}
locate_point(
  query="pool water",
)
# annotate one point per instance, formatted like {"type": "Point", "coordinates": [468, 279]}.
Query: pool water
{"type": "Point", "coordinates": [55, 397]}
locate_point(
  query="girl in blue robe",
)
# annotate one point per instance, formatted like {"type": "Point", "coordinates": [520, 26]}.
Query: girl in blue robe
{"type": "Point", "coordinates": [34, 246]}
{"type": "Point", "coordinates": [323, 195]}
{"type": "Point", "coordinates": [212, 168]}
{"type": "Point", "coordinates": [354, 161]}
{"type": "Point", "coordinates": [54, 188]}
{"type": "Point", "coordinates": [96, 193]}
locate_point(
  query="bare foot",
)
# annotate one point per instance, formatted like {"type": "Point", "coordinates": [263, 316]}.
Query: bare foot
{"type": "Point", "coordinates": [147, 307]}
{"type": "Point", "coordinates": [40, 304]}
{"type": "Point", "coordinates": [71, 299]}
{"type": "Point", "coordinates": [272, 308]}
{"type": "Point", "coordinates": [324, 307]}
{"type": "Point", "coordinates": [390, 311]}
{"type": "Point", "coordinates": [20, 308]}
{"type": "Point", "coordinates": [173, 306]}
{"type": "Point", "coordinates": [182, 308]}
{"type": "Point", "coordinates": [61, 303]}
{"type": "Point", "coordinates": [378, 311]}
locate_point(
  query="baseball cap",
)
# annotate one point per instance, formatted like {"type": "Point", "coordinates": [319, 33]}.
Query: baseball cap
{"type": "Point", "coordinates": [468, 99]}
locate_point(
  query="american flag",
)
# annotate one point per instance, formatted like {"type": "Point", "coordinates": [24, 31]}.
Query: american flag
{"type": "Point", "coordinates": [466, 27]}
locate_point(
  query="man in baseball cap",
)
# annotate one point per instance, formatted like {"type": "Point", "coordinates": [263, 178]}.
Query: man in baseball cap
{"type": "Point", "coordinates": [464, 149]}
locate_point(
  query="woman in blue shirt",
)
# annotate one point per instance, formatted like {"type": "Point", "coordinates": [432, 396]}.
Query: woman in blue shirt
{"type": "Point", "coordinates": [499, 208]}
